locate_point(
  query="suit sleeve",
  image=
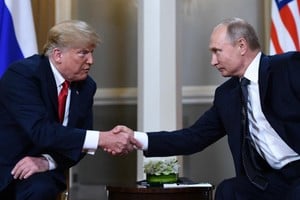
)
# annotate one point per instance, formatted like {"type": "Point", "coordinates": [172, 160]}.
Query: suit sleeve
{"type": "Point", "coordinates": [205, 131]}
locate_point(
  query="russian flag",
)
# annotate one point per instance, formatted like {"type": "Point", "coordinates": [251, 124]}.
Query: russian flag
{"type": "Point", "coordinates": [17, 33]}
{"type": "Point", "coordinates": [285, 26]}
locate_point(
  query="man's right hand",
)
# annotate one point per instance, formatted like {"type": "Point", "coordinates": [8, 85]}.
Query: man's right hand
{"type": "Point", "coordinates": [118, 141]}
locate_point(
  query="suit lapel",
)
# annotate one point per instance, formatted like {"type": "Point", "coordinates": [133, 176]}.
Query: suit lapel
{"type": "Point", "coordinates": [48, 80]}
{"type": "Point", "coordinates": [263, 77]}
{"type": "Point", "coordinates": [74, 103]}
{"type": "Point", "coordinates": [230, 105]}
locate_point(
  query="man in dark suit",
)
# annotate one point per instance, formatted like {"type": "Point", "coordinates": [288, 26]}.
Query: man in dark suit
{"type": "Point", "coordinates": [36, 146]}
{"type": "Point", "coordinates": [272, 118]}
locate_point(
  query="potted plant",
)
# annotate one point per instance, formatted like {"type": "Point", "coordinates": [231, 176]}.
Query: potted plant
{"type": "Point", "coordinates": [161, 171]}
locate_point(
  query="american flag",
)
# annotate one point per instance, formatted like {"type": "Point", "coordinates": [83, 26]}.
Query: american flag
{"type": "Point", "coordinates": [285, 26]}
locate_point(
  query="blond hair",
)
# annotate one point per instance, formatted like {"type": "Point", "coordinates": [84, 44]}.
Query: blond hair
{"type": "Point", "coordinates": [71, 33]}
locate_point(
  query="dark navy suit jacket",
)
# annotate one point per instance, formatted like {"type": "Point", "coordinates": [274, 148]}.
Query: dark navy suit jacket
{"type": "Point", "coordinates": [29, 119]}
{"type": "Point", "coordinates": [279, 87]}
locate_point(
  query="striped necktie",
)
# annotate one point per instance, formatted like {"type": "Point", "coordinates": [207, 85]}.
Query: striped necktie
{"type": "Point", "coordinates": [248, 156]}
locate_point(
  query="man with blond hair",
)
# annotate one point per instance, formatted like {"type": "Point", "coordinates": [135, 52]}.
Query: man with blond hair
{"type": "Point", "coordinates": [41, 137]}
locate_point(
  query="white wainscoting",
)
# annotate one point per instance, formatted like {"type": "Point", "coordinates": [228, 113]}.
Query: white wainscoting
{"type": "Point", "coordinates": [128, 96]}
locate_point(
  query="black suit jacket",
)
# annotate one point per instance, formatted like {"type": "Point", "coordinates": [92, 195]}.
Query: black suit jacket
{"type": "Point", "coordinates": [279, 87]}
{"type": "Point", "coordinates": [29, 120]}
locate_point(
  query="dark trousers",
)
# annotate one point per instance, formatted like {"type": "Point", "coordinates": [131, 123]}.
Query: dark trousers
{"type": "Point", "coordinates": [283, 184]}
{"type": "Point", "coordinates": [40, 186]}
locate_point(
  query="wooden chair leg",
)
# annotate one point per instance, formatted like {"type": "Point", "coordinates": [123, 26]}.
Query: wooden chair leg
{"type": "Point", "coordinates": [65, 194]}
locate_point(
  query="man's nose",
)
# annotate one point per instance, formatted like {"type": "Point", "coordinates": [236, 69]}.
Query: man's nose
{"type": "Point", "coordinates": [214, 60]}
{"type": "Point", "coordinates": [90, 59]}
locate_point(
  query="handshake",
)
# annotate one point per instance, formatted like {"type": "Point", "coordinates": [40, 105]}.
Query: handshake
{"type": "Point", "coordinates": [118, 141]}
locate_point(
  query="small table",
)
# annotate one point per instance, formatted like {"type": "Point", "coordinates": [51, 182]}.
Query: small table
{"type": "Point", "coordinates": [140, 192]}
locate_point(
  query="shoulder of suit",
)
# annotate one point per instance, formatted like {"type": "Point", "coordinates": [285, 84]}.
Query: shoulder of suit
{"type": "Point", "coordinates": [28, 65]}
{"type": "Point", "coordinates": [230, 83]}
{"type": "Point", "coordinates": [91, 82]}
{"type": "Point", "coordinates": [87, 83]}
{"type": "Point", "coordinates": [281, 61]}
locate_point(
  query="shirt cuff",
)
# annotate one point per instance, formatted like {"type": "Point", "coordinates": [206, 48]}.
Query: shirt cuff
{"type": "Point", "coordinates": [142, 138]}
{"type": "Point", "coordinates": [51, 161]}
{"type": "Point", "coordinates": [90, 144]}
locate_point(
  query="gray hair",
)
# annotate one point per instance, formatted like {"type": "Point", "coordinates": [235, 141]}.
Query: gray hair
{"type": "Point", "coordinates": [238, 28]}
{"type": "Point", "coordinates": [71, 33]}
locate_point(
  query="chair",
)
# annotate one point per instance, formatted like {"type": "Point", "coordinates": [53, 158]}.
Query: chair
{"type": "Point", "coordinates": [65, 194]}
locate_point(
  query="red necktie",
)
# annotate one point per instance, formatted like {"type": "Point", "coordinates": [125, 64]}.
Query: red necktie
{"type": "Point", "coordinates": [62, 97]}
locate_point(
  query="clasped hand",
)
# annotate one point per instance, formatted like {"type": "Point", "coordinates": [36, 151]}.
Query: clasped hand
{"type": "Point", "coordinates": [119, 141]}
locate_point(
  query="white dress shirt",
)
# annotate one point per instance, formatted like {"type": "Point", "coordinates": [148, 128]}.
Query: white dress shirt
{"type": "Point", "coordinates": [142, 138]}
{"type": "Point", "coordinates": [267, 142]}
{"type": "Point", "coordinates": [91, 139]}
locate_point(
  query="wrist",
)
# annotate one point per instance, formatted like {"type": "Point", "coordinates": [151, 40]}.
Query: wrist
{"type": "Point", "coordinates": [51, 162]}
{"type": "Point", "coordinates": [101, 141]}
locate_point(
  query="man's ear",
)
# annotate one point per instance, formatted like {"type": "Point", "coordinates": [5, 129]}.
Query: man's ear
{"type": "Point", "coordinates": [57, 55]}
{"type": "Point", "coordinates": [242, 45]}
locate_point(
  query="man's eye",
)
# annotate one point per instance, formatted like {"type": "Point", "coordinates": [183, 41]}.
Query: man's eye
{"type": "Point", "coordinates": [218, 51]}
{"type": "Point", "coordinates": [83, 52]}
{"type": "Point", "coordinates": [215, 50]}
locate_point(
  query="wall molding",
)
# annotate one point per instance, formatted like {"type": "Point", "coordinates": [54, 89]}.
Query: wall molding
{"type": "Point", "coordinates": [128, 96]}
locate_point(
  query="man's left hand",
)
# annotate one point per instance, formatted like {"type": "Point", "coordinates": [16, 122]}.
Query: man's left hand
{"type": "Point", "coordinates": [29, 166]}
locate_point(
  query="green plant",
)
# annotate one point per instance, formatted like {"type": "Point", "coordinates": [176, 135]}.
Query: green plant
{"type": "Point", "coordinates": [161, 167]}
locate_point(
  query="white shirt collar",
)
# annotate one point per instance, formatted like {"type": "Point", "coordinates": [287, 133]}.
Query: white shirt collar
{"type": "Point", "coordinates": [251, 72]}
{"type": "Point", "coordinates": [59, 79]}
